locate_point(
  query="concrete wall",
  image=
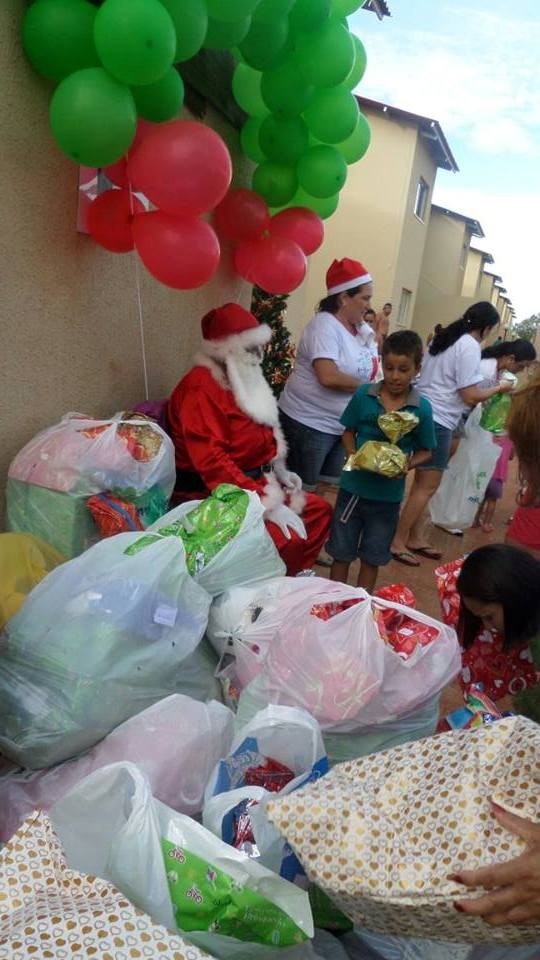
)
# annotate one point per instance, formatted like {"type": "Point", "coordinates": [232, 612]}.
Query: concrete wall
{"type": "Point", "coordinates": [473, 274]}
{"type": "Point", "coordinates": [440, 298]}
{"type": "Point", "coordinates": [70, 323]}
{"type": "Point", "coordinates": [485, 288]}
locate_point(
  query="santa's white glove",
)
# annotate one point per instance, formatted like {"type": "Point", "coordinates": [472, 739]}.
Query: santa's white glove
{"type": "Point", "coordinates": [287, 520]}
{"type": "Point", "coordinates": [291, 481]}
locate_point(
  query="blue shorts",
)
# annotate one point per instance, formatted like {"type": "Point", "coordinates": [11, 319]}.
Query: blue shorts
{"type": "Point", "coordinates": [312, 454]}
{"type": "Point", "coordinates": [362, 528]}
{"type": "Point", "coordinates": [441, 454]}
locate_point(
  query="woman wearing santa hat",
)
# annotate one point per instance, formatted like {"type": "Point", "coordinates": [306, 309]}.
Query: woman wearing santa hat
{"type": "Point", "coordinates": [224, 422]}
{"type": "Point", "coordinates": [332, 360]}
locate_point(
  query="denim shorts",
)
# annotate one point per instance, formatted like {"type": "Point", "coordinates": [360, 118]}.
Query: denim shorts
{"type": "Point", "coordinates": [441, 454]}
{"type": "Point", "coordinates": [362, 528]}
{"type": "Point", "coordinates": [313, 455]}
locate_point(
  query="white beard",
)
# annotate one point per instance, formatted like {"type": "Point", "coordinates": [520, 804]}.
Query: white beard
{"type": "Point", "coordinates": [251, 391]}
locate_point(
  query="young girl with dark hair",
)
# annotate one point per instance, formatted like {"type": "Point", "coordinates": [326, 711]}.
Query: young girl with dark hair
{"type": "Point", "coordinates": [512, 356]}
{"type": "Point", "coordinates": [451, 380]}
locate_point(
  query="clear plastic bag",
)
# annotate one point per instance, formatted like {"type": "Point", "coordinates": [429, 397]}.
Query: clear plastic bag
{"type": "Point", "coordinates": [111, 827]}
{"type": "Point", "coordinates": [176, 743]}
{"type": "Point", "coordinates": [24, 562]}
{"type": "Point", "coordinates": [61, 520]}
{"type": "Point", "coordinates": [102, 638]}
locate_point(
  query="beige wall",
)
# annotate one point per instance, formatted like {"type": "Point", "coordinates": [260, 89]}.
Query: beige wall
{"type": "Point", "coordinates": [473, 274]}
{"type": "Point", "coordinates": [368, 224]}
{"type": "Point", "coordinates": [440, 298]}
{"type": "Point", "coordinates": [485, 289]}
{"type": "Point", "coordinates": [70, 326]}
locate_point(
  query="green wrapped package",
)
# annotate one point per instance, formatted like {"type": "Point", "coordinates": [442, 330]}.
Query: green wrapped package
{"type": "Point", "coordinates": [206, 529]}
{"type": "Point", "coordinates": [495, 413]}
{"type": "Point", "coordinates": [60, 519]}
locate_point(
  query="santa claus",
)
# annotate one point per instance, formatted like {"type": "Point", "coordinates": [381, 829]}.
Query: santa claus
{"type": "Point", "coordinates": [224, 422]}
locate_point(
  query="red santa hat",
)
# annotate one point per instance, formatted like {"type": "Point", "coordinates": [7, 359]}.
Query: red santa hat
{"type": "Point", "coordinates": [345, 274]}
{"type": "Point", "coordinates": [231, 328]}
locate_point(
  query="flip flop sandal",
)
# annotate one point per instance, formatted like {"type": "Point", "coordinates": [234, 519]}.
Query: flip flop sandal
{"type": "Point", "coordinates": [429, 553]}
{"type": "Point", "coordinates": [406, 558]}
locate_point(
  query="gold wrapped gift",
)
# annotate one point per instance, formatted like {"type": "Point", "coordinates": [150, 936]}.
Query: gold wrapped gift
{"type": "Point", "coordinates": [383, 458]}
{"type": "Point", "coordinates": [397, 423]}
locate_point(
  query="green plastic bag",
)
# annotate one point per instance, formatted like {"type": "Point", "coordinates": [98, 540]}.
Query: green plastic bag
{"type": "Point", "coordinates": [495, 413]}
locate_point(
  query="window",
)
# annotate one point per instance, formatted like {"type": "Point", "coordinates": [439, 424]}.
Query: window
{"type": "Point", "coordinates": [404, 308]}
{"type": "Point", "coordinates": [420, 202]}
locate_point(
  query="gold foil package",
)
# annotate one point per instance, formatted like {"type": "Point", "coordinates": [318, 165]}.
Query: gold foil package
{"type": "Point", "coordinates": [385, 459]}
{"type": "Point", "coordinates": [397, 423]}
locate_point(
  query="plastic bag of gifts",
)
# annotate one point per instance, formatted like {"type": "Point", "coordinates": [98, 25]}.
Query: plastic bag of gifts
{"type": "Point", "coordinates": [178, 872]}
{"type": "Point", "coordinates": [386, 459]}
{"type": "Point", "coordinates": [175, 742]}
{"type": "Point", "coordinates": [52, 478]}
{"type": "Point", "coordinates": [495, 411]}
{"type": "Point", "coordinates": [501, 672]}
{"type": "Point", "coordinates": [100, 639]}
{"type": "Point", "coordinates": [24, 562]}
{"type": "Point", "coordinates": [49, 910]}
{"type": "Point", "coordinates": [224, 536]}
{"type": "Point", "coordinates": [383, 836]}
{"type": "Point", "coordinates": [279, 751]}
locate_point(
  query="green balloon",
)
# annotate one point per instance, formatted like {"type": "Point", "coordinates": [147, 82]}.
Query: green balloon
{"type": "Point", "coordinates": [325, 56]}
{"type": "Point", "coordinates": [230, 10]}
{"type": "Point", "coordinates": [160, 101]}
{"type": "Point", "coordinates": [356, 146]}
{"type": "Point", "coordinates": [58, 37]}
{"type": "Point", "coordinates": [309, 14]}
{"type": "Point", "coordinates": [246, 84]}
{"type": "Point", "coordinates": [190, 21]}
{"type": "Point", "coordinates": [344, 8]}
{"type": "Point", "coordinates": [275, 182]}
{"type": "Point", "coordinates": [358, 68]}
{"type": "Point", "coordinates": [269, 11]}
{"type": "Point", "coordinates": [221, 35]}
{"type": "Point", "coordinates": [135, 40]}
{"type": "Point", "coordinates": [332, 114]}
{"type": "Point", "coordinates": [284, 139]}
{"type": "Point", "coordinates": [93, 117]}
{"type": "Point", "coordinates": [322, 171]}
{"type": "Point", "coordinates": [285, 91]}
{"type": "Point", "coordinates": [249, 138]}
{"type": "Point", "coordinates": [266, 44]}
{"type": "Point", "coordinates": [324, 207]}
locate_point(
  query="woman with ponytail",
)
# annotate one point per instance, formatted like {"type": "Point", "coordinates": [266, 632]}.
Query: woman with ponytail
{"type": "Point", "coordinates": [451, 379]}
{"type": "Point", "coordinates": [512, 356]}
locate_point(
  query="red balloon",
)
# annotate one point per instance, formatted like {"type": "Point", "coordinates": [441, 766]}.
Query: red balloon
{"type": "Point", "coordinates": [276, 264]}
{"type": "Point", "coordinates": [301, 225]}
{"type": "Point", "coordinates": [242, 215]}
{"type": "Point", "coordinates": [110, 220]}
{"type": "Point", "coordinates": [183, 167]}
{"type": "Point", "coordinates": [181, 252]}
{"type": "Point", "coordinates": [117, 172]}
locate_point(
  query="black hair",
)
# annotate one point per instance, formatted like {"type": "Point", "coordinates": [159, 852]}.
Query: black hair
{"type": "Point", "coordinates": [501, 574]}
{"type": "Point", "coordinates": [522, 350]}
{"type": "Point", "coordinates": [387, 304]}
{"type": "Point", "coordinates": [404, 343]}
{"type": "Point", "coordinates": [331, 303]}
{"type": "Point", "coordinates": [481, 316]}
{"type": "Point", "coordinates": [369, 310]}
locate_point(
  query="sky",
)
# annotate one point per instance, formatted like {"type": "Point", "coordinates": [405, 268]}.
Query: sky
{"type": "Point", "coordinates": [474, 66]}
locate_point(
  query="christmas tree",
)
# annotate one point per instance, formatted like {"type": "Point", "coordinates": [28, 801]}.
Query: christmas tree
{"type": "Point", "coordinates": [279, 354]}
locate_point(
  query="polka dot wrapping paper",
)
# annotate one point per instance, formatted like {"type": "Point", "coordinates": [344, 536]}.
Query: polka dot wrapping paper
{"type": "Point", "coordinates": [380, 835]}
{"type": "Point", "coordinates": [49, 912]}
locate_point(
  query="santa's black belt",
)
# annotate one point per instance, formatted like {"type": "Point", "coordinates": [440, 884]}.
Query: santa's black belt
{"type": "Point", "coordinates": [189, 481]}
{"type": "Point", "coordinates": [257, 472]}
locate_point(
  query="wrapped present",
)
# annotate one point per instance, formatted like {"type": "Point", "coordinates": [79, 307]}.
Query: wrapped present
{"type": "Point", "coordinates": [397, 423]}
{"type": "Point", "coordinates": [477, 710]}
{"type": "Point", "coordinates": [496, 410]}
{"type": "Point", "coordinates": [383, 835]}
{"type": "Point", "coordinates": [397, 593]}
{"type": "Point", "coordinates": [49, 910]}
{"type": "Point", "coordinates": [112, 515]}
{"type": "Point", "coordinates": [61, 520]}
{"type": "Point", "coordinates": [385, 459]}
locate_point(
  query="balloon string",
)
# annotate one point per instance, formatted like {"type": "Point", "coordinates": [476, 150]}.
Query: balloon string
{"type": "Point", "coordinates": [139, 304]}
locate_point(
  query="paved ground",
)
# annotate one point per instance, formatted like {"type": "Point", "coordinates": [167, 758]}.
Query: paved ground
{"type": "Point", "coordinates": [422, 581]}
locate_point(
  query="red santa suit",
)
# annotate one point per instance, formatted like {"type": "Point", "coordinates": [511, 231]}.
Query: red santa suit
{"type": "Point", "coordinates": [223, 419]}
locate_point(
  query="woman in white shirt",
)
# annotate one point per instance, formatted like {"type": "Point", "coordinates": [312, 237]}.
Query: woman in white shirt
{"type": "Point", "coordinates": [450, 379]}
{"type": "Point", "coordinates": [512, 355]}
{"type": "Point", "coordinates": [332, 360]}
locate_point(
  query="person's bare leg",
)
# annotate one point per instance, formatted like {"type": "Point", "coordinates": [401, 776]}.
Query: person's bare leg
{"type": "Point", "coordinates": [487, 519]}
{"type": "Point", "coordinates": [411, 522]}
{"type": "Point", "coordinates": [453, 447]}
{"type": "Point", "coordinates": [340, 571]}
{"type": "Point", "coordinates": [479, 514]}
{"type": "Point", "coordinates": [367, 576]}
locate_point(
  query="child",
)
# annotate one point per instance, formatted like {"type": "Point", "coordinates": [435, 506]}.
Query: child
{"type": "Point", "coordinates": [494, 492]}
{"type": "Point", "coordinates": [367, 507]}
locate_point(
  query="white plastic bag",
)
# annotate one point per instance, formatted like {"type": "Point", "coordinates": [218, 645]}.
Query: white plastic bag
{"type": "Point", "coordinates": [465, 481]}
{"type": "Point", "coordinates": [283, 734]}
{"type": "Point", "coordinates": [362, 945]}
{"type": "Point", "coordinates": [110, 826]}
{"type": "Point", "coordinates": [83, 456]}
{"type": "Point", "coordinates": [340, 670]}
{"type": "Point", "coordinates": [176, 743]}
{"type": "Point", "coordinates": [100, 639]}
{"type": "Point", "coordinates": [251, 556]}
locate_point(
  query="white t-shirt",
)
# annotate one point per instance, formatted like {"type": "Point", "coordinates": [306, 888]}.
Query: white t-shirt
{"type": "Point", "coordinates": [443, 376]}
{"type": "Point", "coordinates": [489, 371]}
{"type": "Point", "coordinates": [304, 398]}
{"type": "Point", "coordinates": [368, 338]}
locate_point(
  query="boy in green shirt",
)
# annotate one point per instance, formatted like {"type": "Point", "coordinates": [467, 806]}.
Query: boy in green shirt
{"type": "Point", "coordinates": [367, 507]}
